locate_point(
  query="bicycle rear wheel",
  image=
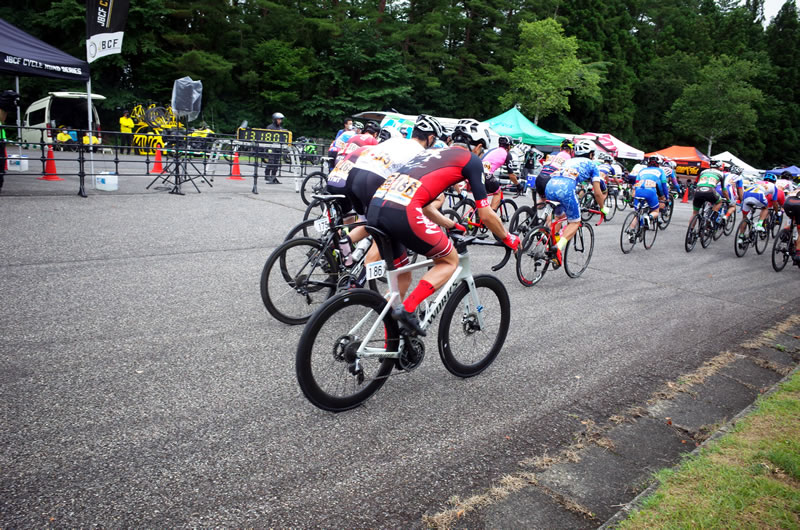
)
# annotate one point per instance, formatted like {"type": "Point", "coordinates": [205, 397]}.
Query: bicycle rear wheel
{"type": "Point", "coordinates": [302, 229]}
{"type": "Point", "coordinates": [587, 203]}
{"type": "Point", "coordinates": [730, 223]}
{"type": "Point", "coordinates": [313, 184]}
{"type": "Point", "coordinates": [706, 231]}
{"type": "Point", "coordinates": [780, 249]}
{"type": "Point", "coordinates": [649, 235]}
{"type": "Point", "coordinates": [325, 364]}
{"type": "Point", "coordinates": [472, 332]}
{"type": "Point", "coordinates": [522, 221]}
{"type": "Point", "coordinates": [777, 220]}
{"type": "Point", "coordinates": [627, 236]}
{"type": "Point", "coordinates": [692, 234]}
{"type": "Point", "coordinates": [762, 241]}
{"type": "Point", "coordinates": [611, 204]}
{"type": "Point", "coordinates": [740, 244]}
{"type": "Point", "coordinates": [666, 215]}
{"type": "Point", "coordinates": [532, 260]}
{"type": "Point", "coordinates": [579, 250]}
{"type": "Point", "coordinates": [297, 278]}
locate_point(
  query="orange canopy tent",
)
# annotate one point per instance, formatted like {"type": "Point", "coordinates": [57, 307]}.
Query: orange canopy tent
{"type": "Point", "coordinates": [689, 160]}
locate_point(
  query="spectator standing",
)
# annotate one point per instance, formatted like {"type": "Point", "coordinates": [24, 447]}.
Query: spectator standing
{"type": "Point", "coordinates": [126, 128]}
{"type": "Point", "coordinates": [333, 150]}
{"type": "Point", "coordinates": [274, 156]}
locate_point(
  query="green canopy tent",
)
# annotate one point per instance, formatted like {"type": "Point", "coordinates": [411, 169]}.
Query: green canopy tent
{"type": "Point", "coordinates": [514, 124]}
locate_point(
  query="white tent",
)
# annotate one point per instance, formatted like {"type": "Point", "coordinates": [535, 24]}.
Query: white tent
{"type": "Point", "coordinates": [608, 143]}
{"type": "Point", "coordinates": [749, 170]}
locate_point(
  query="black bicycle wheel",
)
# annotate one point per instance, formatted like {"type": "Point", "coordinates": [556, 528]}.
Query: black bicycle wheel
{"type": "Point", "coordinates": [303, 229]}
{"type": "Point", "coordinates": [472, 334]}
{"type": "Point", "coordinates": [506, 210]}
{"type": "Point", "coordinates": [522, 221]}
{"type": "Point", "coordinates": [325, 364]}
{"type": "Point", "coordinates": [649, 234]}
{"type": "Point", "coordinates": [622, 199]}
{"type": "Point", "coordinates": [627, 235]}
{"type": "Point", "coordinates": [665, 216]}
{"type": "Point", "coordinates": [706, 231]}
{"type": "Point", "coordinates": [578, 252]}
{"type": "Point", "coordinates": [780, 249]}
{"type": "Point", "coordinates": [730, 223]}
{"type": "Point", "coordinates": [297, 278]}
{"type": "Point", "coordinates": [762, 241]}
{"type": "Point", "coordinates": [313, 184]}
{"type": "Point", "coordinates": [532, 260]}
{"type": "Point", "coordinates": [776, 221]}
{"type": "Point", "coordinates": [464, 206]}
{"type": "Point", "coordinates": [742, 241]}
{"type": "Point", "coordinates": [611, 204]}
{"type": "Point", "coordinates": [692, 233]}
{"type": "Point", "coordinates": [587, 203]}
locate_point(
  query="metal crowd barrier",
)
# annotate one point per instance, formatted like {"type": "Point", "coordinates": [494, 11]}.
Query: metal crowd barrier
{"type": "Point", "coordinates": [171, 159]}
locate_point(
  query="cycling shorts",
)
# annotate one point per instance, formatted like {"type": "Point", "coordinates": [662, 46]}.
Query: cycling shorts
{"type": "Point", "coordinates": [541, 184]}
{"type": "Point", "coordinates": [563, 190]}
{"type": "Point", "coordinates": [492, 185]}
{"type": "Point", "coordinates": [792, 208]}
{"type": "Point", "coordinates": [647, 194]}
{"type": "Point", "coordinates": [361, 186]}
{"type": "Point", "coordinates": [344, 203]}
{"type": "Point", "coordinates": [753, 201]}
{"type": "Point", "coordinates": [704, 195]}
{"type": "Point", "coordinates": [410, 228]}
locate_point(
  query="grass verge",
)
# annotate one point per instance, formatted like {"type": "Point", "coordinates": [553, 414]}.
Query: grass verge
{"type": "Point", "coordinates": [749, 478]}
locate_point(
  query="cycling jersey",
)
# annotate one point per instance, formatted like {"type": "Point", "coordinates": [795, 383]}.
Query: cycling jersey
{"type": "Point", "coordinates": [763, 194]}
{"type": "Point", "coordinates": [342, 140]}
{"type": "Point", "coordinates": [333, 148]}
{"type": "Point", "coordinates": [563, 182]}
{"type": "Point", "coordinates": [792, 206]}
{"type": "Point", "coordinates": [554, 163]}
{"type": "Point", "coordinates": [651, 182]}
{"type": "Point", "coordinates": [396, 207]}
{"type": "Point", "coordinates": [356, 141]}
{"type": "Point", "coordinates": [709, 178]}
{"type": "Point", "coordinates": [493, 160]}
{"type": "Point", "coordinates": [733, 183]}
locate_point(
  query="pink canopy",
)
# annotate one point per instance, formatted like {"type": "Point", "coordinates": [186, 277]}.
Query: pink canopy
{"type": "Point", "coordinates": [616, 147]}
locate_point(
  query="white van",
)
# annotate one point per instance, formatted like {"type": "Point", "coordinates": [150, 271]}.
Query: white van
{"type": "Point", "coordinates": [67, 109]}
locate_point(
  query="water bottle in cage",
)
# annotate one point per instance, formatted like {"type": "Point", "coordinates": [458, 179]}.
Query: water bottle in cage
{"type": "Point", "coordinates": [361, 248]}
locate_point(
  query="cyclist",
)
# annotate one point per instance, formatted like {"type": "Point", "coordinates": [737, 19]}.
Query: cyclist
{"type": "Point", "coordinates": [734, 188]}
{"type": "Point", "coordinates": [669, 172]}
{"type": "Point", "coordinates": [493, 160]}
{"type": "Point", "coordinates": [343, 138]}
{"type": "Point", "coordinates": [347, 125]}
{"type": "Point", "coordinates": [792, 208]}
{"type": "Point", "coordinates": [763, 195]}
{"type": "Point", "coordinates": [550, 166]}
{"type": "Point", "coordinates": [369, 136]}
{"type": "Point", "coordinates": [651, 187]}
{"type": "Point", "coordinates": [562, 186]}
{"type": "Point", "coordinates": [401, 207]}
{"type": "Point", "coordinates": [706, 191]}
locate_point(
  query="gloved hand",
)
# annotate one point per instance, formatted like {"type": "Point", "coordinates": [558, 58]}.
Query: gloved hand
{"type": "Point", "coordinates": [511, 241]}
{"type": "Point", "coordinates": [605, 211]}
{"type": "Point", "coordinates": [459, 228]}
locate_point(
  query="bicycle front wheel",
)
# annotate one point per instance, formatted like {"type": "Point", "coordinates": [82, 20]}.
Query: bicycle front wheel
{"type": "Point", "coordinates": [506, 210]}
{"type": "Point", "coordinates": [743, 239]}
{"type": "Point", "coordinates": [666, 215]}
{"type": "Point", "coordinates": [780, 249]}
{"type": "Point", "coordinates": [611, 204]}
{"type": "Point", "coordinates": [473, 328]}
{"type": "Point", "coordinates": [522, 221]}
{"type": "Point", "coordinates": [329, 371]}
{"type": "Point", "coordinates": [762, 241]}
{"type": "Point", "coordinates": [532, 260]}
{"type": "Point", "coordinates": [313, 184]}
{"type": "Point", "coordinates": [302, 229]}
{"type": "Point", "coordinates": [706, 231]}
{"type": "Point", "coordinates": [627, 236]}
{"type": "Point", "coordinates": [579, 250]}
{"type": "Point", "coordinates": [649, 235]}
{"type": "Point", "coordinates": [297, 278]}
{"type": "Point", "coordinates": [692, 234]}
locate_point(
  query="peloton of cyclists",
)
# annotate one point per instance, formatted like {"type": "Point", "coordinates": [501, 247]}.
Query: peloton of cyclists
{"type": "Point", "coordinates": [651, 187]}
{"type": "Point", "coordinates": [562, 188]}
{"type": "Point", "coordinates": [402, 208]}
{"type": "Point", "coordinates": [764, 195]}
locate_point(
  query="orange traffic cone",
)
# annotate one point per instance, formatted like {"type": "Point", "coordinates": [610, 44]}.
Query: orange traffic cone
{"type": "Point", "coordinates": [157, 167]}
{"type": "Point", "coordinates": [686, 194]}
{"type": "Point", "coordinates": [236, 174]}
{"type": "Point", "coordinates": [50, 166]}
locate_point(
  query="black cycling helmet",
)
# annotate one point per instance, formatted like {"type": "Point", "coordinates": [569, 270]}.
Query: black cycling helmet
{"type": "Point", "coordinates": [567, 144]}
{"type": "Point", "coordinates": [9, 100]}
{"type": "Point", "coordinates": [653, 161]}
{"type": "Point", "coordinates": [371, 126]}
{"type": "Point", "coordinates": [504, 141]}
{"type": "Point", "coordinates": [715, 164]}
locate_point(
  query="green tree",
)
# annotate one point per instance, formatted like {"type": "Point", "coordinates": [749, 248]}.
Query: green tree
{"type": "Point", "coordinates": [547, 70]}
{"type": "Point", "coordinates": [721, 103]}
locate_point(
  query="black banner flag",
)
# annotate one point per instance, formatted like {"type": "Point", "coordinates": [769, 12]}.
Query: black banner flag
{"type": "Point", "coordinates": [105, 25]}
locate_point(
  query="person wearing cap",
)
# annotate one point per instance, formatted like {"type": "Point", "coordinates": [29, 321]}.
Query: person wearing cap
{"type": "Point", "coordinates": [126, 128]}
{"type": "Point", "coordinates": [273, 159]}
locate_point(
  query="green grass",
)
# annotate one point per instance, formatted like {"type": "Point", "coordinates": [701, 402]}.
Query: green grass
{"type": "Point", "coordinates": [749, 478]}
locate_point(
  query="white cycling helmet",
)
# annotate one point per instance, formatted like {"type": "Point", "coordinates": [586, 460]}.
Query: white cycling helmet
{"type": "Point", "coordinates": [583, 148]}
{"type": "Point", "coordinates": [389, 132]}
{"type": "Point", "coordinates": [471, 132]}
{"type": "Point", "coordinates": [429, 124]}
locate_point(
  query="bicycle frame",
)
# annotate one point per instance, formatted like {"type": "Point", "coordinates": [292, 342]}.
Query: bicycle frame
{"type": "Point", "coordinates": [463, 272]}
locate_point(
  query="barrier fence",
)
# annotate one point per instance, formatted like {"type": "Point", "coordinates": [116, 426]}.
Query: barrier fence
{"type": "Point", "coordinates": [171, 160]}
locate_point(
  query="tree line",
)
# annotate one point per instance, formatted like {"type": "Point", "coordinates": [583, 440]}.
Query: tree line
{"type": "Point", "coordinates": [708, 73]}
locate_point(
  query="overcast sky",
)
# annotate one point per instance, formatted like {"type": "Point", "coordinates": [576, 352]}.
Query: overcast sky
{"type": "Point", "coordinates": [771, 8]}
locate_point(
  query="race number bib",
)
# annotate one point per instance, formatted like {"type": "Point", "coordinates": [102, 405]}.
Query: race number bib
{"type": "Point", "coordinates": [399, 189]}
{"type": "Point", "coordinates": [340, 172]}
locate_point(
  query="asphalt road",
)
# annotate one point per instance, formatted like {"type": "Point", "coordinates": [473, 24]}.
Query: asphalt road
{"type": "Point", "coordinates": [143, 384]}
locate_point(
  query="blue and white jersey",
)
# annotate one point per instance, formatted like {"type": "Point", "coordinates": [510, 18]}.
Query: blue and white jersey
{"type": "Point", "coordinates": [653, 177]}
{"type": "Point", "coordinates": [606, 169]}
{"type": "Point", "coordinates": [577, 170]}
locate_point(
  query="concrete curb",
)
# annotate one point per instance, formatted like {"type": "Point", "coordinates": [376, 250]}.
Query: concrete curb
{"type": "Point", "coordinates": [635, 504]}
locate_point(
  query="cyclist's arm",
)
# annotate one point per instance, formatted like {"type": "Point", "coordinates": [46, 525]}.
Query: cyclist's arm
{"type": "Point", "coordinates": [473, 173]}
{"type": "Point", "coordinates": [599, 196]}
{"type": "Point", "coordinates": [433, 213]}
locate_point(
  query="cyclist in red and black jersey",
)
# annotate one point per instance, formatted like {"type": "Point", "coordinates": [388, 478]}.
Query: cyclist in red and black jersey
{"type": "Point", "coordinates": [402, 208]}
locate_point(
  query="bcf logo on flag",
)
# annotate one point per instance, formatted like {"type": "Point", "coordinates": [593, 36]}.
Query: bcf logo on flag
{"type": "Point", "coordinates": [103, 44]}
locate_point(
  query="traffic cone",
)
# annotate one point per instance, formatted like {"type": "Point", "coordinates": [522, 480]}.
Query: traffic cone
{"type": "Point", "coordinates": [157, 166]}
{"type": "Point", "coordinates": [50, 166]}
{"type": "Point", "coordinates": [236, 174]}
{"type": "Point", "coordinates": [685, 194]}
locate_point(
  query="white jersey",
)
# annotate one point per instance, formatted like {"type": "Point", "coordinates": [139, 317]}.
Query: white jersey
{"type": "Point", "coordinates": [389, 156]}
{"type": "Point", "coordinates": [636, 169]}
